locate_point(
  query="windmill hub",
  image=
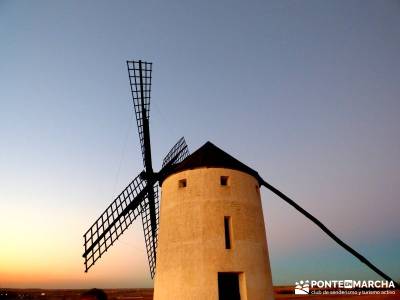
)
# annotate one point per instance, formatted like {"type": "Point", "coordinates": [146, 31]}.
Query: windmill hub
{"type": "Point", "coordinates": [148, 176]}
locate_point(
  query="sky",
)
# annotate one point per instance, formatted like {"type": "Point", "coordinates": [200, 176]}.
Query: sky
{"type": "Point", "coordinates": [305, 92]}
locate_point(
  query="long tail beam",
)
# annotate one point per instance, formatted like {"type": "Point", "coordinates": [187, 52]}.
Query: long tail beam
{"type": "Point", "coordinates": [328, 232]}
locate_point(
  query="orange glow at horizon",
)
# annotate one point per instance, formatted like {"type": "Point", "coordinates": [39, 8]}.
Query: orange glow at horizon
{"type": "Point", "coordinates": [34, 253]}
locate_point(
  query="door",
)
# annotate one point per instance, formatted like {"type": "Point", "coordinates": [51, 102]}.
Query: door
{"type": "Point", "coordinates": [228, 286]}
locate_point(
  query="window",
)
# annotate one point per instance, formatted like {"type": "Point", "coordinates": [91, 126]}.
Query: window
{"type": "Point", "coordinates": [182, 183]}
{"type": "Point", "coordinates": [229, 286]}
{"type": "Point", "coordinates": [228, 234]}
{"type": "Point", "coordinates": [224, 180]}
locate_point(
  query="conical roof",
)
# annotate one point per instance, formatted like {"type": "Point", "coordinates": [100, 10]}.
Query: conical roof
{"type": "Point", "coordinates": [208, 156]}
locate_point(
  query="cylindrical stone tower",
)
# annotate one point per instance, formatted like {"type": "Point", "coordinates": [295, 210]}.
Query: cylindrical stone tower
{"type": "Point", "coordinates": [212, 242]}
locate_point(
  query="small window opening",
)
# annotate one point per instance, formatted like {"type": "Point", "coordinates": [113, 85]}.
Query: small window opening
{"type": "Point", "coordinates": [182, 183]}
{"type": "Point", "coordinates": [227, 224]}
{"type": "Point", "coordinates": [229, 286]}
{"type": "Point", "coordinates": [224, 180]}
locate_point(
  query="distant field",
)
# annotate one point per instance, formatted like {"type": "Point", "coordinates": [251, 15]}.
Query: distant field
{"type": "Point", "coordinates": [281, 293]}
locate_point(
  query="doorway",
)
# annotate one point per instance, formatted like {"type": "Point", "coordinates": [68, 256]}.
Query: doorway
{"type": "Point", "coordinates": [228, 286]}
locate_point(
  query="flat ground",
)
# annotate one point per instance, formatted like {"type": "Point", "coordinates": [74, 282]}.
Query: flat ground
{"type": "Point", "coordinates": [281, 293]}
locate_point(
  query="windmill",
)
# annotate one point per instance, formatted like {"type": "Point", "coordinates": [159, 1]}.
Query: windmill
{"type": "Point", "coordinates": [141, 196]}
{"type": "Point", "coordinates": [205, 185]}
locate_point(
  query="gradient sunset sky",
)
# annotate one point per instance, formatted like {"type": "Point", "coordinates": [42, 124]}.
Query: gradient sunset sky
{"type": "Point", "coordinates": [305, 92]}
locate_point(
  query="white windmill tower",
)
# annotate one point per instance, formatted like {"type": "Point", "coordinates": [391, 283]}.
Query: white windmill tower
{"type": "Point", "coordinates": [212, 242]}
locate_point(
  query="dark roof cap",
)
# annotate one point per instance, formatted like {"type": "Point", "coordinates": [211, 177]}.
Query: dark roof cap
{"type": "Point", "coordinates": [208, 156]}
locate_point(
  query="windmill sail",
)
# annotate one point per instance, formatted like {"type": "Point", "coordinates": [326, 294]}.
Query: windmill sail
{"type": "Point", "coordinates": [150, 240]}
{"type": "Point", "coordinates": [140, 83]}
{"type": "Point", "coordinates": [113, 222]}
{"type": "Point", "coordinates": [177, 154]}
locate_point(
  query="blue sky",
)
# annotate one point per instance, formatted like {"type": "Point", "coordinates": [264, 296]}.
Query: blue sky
{"type": "Point", "coordinates": [306, 92]}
